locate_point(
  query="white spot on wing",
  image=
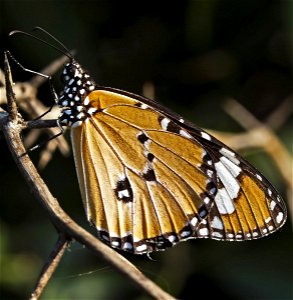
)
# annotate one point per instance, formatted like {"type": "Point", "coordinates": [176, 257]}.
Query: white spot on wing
{"type": "Point", "coordinates": [91, 110]}
{"type": "Point", "coordinates": [229, 154]}
{"type": "Point", "coordinates": [217, 234]}
{"type": "Point", "coordinates": [234, 169]}
{"type": "Point", "coordinates": [141, 248]}
{"type": "Point", "coordinates": [270, 192]}
{"type": "Point", "coordinates": [279, 217]}
{"type": "Point", "coordinates": [206, 200]}
{"type": "Point", "coordinates": [194, 221]}
{"type": "Point", "coordinates": [115, 243]}
{"type": "Point", "coordinates": [185, 233]}
{"type": "Point", "coordinates": [272, 205]}
{"type": "Point", "coordinates": [203, 231]}
{"type": "Point", "coordinates": [217, 223]}
{"type": "Point", "coordinates": [172, 238]}
{"type": "Point", "coordinates": [185, 134]}
{"type": "Point", "coordinates": [164, 123]}
{"type": "Point", "coordinates": [230, 183]}
{"type": "Point", "coordinates": [224, 202]}
{"type": "Point", "coordinates": [206, 136]}
{"type": "Point", "coordinates": [124, 193]}
{"type": "Point", "coordinates": [127, 246]}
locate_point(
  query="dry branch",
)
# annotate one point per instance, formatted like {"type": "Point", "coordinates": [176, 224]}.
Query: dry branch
{"type": "Point", "coordinates": [12, 125]}
{"type": "Point", "coordinates": [50, 266]}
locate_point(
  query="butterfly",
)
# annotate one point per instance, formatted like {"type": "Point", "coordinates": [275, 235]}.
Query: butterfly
{"type": "Point", "coordinates": [150, 179]}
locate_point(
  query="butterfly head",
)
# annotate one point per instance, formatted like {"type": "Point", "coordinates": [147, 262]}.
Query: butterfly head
{"type": "Point", "coordinates": [78, 84]}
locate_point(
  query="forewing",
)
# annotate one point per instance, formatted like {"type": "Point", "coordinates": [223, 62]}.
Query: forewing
{"type": "Point", "coordinates": [150, 179]}
{"type": "Point", "coordinates": [145, 185]}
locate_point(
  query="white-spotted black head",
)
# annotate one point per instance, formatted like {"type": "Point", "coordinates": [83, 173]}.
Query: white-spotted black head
{"type": "Point", "coordinates": [77, 85]}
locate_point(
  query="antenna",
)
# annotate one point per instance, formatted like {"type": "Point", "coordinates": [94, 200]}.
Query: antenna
{"type": "Point", "coordinates": [52, 37]}
{"type": "Point", "coordinates": [66, 52]}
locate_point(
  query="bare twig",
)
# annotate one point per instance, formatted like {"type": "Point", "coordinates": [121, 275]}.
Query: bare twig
{"type": "Point", "coordinates": [50, 266]}
{"type": "Point", "coordinates": [11, 105]}
{"type": "Point", "coordinates": [12, 127]}
{"type": "Point", "coordinates": [281, 114]}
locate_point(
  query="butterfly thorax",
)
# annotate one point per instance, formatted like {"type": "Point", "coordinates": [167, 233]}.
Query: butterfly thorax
{"type": "Point", "coordinates": [78, 84]}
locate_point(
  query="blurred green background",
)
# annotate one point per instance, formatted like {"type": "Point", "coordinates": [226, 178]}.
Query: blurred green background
{"type": "Point", "coordinates": [197, 54]}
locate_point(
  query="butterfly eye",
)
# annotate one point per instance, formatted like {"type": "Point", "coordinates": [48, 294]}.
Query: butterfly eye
{"type": "Point", "coordinates": [70, 71]}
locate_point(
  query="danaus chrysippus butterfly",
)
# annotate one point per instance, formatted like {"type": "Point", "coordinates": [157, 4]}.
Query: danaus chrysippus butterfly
{"type": "Point", "coordinates": [150, 179]}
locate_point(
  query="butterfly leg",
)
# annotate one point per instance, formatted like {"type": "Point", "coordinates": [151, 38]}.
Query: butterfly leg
{"type": "Point", "coordinates": [44, 142]}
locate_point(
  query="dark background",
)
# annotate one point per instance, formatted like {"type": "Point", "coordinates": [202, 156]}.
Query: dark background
{"type": "Point", "coordinates": [197, 54]}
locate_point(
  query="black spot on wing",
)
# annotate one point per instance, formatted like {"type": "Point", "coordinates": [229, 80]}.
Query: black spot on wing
{"type": "Point", "coordinates": [150, 157]}
{"type": "Point", "coordinates": [142, 137]}
{"type": "Point", "coordinates": [173, 127]}
{"type": "Point", "coordinates": [138, 104]}
{"type": "Point", "coordinates": [203, 211]}
{"type": "Point", "coordinates": [169, 125]}
{"type": "Point", "coordinates": [123, 190]}
{"type": "Point", "coordinates": [149, 175]}
{"type": "Point", "coordinates": [211, 188]}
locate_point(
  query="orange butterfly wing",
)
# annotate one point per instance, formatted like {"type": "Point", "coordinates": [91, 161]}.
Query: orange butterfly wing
{"type": "Point", "coordinates": [142, 187]}
{"type": "Point", "coordinates": [149, 179]}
